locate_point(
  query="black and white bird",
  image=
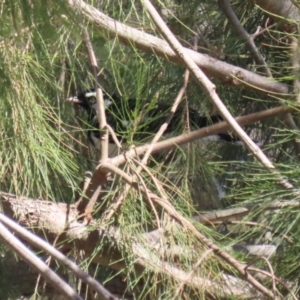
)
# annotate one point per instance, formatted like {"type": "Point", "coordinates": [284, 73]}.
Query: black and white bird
{"type": "Point", "coordinates": [120, 116]}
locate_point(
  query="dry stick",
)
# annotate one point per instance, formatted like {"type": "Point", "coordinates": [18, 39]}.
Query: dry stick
{"type": "Point", "coordinates": [99, 96]}
{"type": "Point", "coordinates": [161, 191]}
{"type": "Point", "coordinates": [194, 269]}
{"type": "Point", "coordinates": [155, 180]}
{"type": "Point", "coordinates": [86, 183]}
{"type": "Point", "coordinates": [239, 212]}
{"type": "Point", "coordinates": [272, 275]}
{"type": "Point", "coordinates": [151, 44]}
{"type": "Point", "coordinates": [210, 90]}
{"type": "Point", "coordinates": [101, 119]}
{"type": "Point", "coordinates": [117, 204]}
{"type": "Point", "coordinates": [164, 126]}
{"type": "Point", "coordinates": [151, 203]}
{"type": "Point", "coordinates": [160, 132]}
{"type": "Point", "coordinates": [92, 201]}
{"type": "Point", "coordinates": [31, 259]}
{"type": "Point", "coordinates": [267, 274]}
{"type": "Point", "coordinates": [260, 31]}
{"type": "Point", "coordinates": [39, 243]}
{"type": "Point", "coordinates": [296, 67]}
{"type": "Point", "coordinates": [250, 223]}
{"type": "Point", "coordinates": [249, 40]}
{"type": "Point", "coordinates": [243, 34]}
{"type": "Point", "coordinates": [114, 136]}
{"type": "Point", "coordinates": [198, 134]}
{"type": "Point", "coordinates": [275, 290]}
{"type": "Point", "coordinates": [168, 207]}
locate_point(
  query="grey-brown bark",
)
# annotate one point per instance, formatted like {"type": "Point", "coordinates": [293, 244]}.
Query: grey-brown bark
{"type": "Point", "coordinates": [286, 10]}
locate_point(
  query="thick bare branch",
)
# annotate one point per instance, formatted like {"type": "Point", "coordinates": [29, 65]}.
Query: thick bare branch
{"type": "Point", "coordinates": [37, 242]}
{"type": "Point", "coordinates": [48, 219]}
{"type": "Point", "coordinates": [224, 72]}
{"type": "Point", "coordinates": [36, 263]}
{"type": "Point", "coordinates": [210, 89]}
{"type": "Point", "coordinates": [198, 134]}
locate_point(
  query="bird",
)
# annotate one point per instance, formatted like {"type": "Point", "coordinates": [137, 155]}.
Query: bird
{"type": "Point", "coordinates": [120, 117]}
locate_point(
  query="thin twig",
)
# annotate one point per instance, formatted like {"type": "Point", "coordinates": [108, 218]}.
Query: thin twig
{"type": "Point", "coordinates": [114, 136]}
{"type": "Point", "coordinates": [185, 138]}
{"type": "Point", "coordinates": [273, 277]}
{"type": "Point", "coordinates": [104, 141]}
{"type": "Point", "coordinates": [267, 274]}
{"type": "Point", "coordinates": [260, 31]}
{"type": "Point", "coordinates": [92, 201]}
{"type": "Point", "coordinates": [164, 126]}
{"type": "Point", "coordinates": [275, 290]}
{"type": "Point", "coordinates": [169, 208]}
{"type": "Point", "coordinates": [32, 260]}
{"type": "Point", "coordinates": [254, 224]}
{"type": "Point", "coordinates": [99, 96]}
{"type": "Point", "coordinates": [116, 206]}
{"type": "Point", "coordinates": [249, 40]}
{"type": "Point", "coordinates": [39, 243]}
{"type": "Point", "coordinates": [194, 269]}
{"type": "Point", "coordinates": [159, 228]}
{"type": "Point", "coordinates": [210, 90]}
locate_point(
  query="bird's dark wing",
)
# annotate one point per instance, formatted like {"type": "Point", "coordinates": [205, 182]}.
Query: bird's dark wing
{"type": "Point", "coordinates": [126, 118]}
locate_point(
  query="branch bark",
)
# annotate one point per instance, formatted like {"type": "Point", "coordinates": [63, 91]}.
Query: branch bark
{"type": "Point", "coordinates": [48, 220]}
{"type": "Point", "coordinates": [198, 134]}
{"type": "Point", "coordinates": [40, 244]}
{"type": "Point", "coordinates": [247, 38]}
{"type": "Point", "coordinates": [286, 13]}
{"type": "Point", "coordinates": [226, 73]}
{"type": "Point", "coordinates": [36, 263]}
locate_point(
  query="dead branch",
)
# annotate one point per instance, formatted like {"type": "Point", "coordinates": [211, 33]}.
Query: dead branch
{"type": "Point", "coordinates": [36, 263]}
{"type": "Point", "coordinates": [41, 244]}
{"type": "Point", "coordinates": [171, 143]}
{"type": "Point", "coordinates": [168, 207]}
{"type": "Point", "coordinates": [239, 212]}
{"type": "Point", "coordinates": [99, 96]}
{"type": "Point", "coordinates": [244, 36]}
{"type": "Point", "coordinates": [226, 73]}
{"type": "Point", "coordinates": [48, 219]}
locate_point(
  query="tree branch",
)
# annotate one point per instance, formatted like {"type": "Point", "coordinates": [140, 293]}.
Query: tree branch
{"type": "Point", "coordinates": [239, 29]}
{"type": "Point", "coordinates": [223, 71]}
{"type": "Point", "coordinates": [49, 219]}
{"type": "Point", "coordinates": [99, 96]}
{"type": "Point", "coordinates": [36, 263]}
{"type": "Point", "coordinates": [198, 134]}
{"type": "Point", "coordinates": [41, 244]}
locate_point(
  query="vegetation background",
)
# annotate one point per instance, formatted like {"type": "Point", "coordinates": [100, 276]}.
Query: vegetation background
{"type": "Point", "coordinates": [218, 221]}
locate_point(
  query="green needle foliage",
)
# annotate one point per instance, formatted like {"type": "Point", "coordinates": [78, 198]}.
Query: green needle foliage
{"type": "Point", "coordinates": [44, 150]}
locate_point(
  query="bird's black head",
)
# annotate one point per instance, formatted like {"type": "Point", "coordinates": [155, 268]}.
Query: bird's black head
{"type": "Point", "coordinates": [87, 99]}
